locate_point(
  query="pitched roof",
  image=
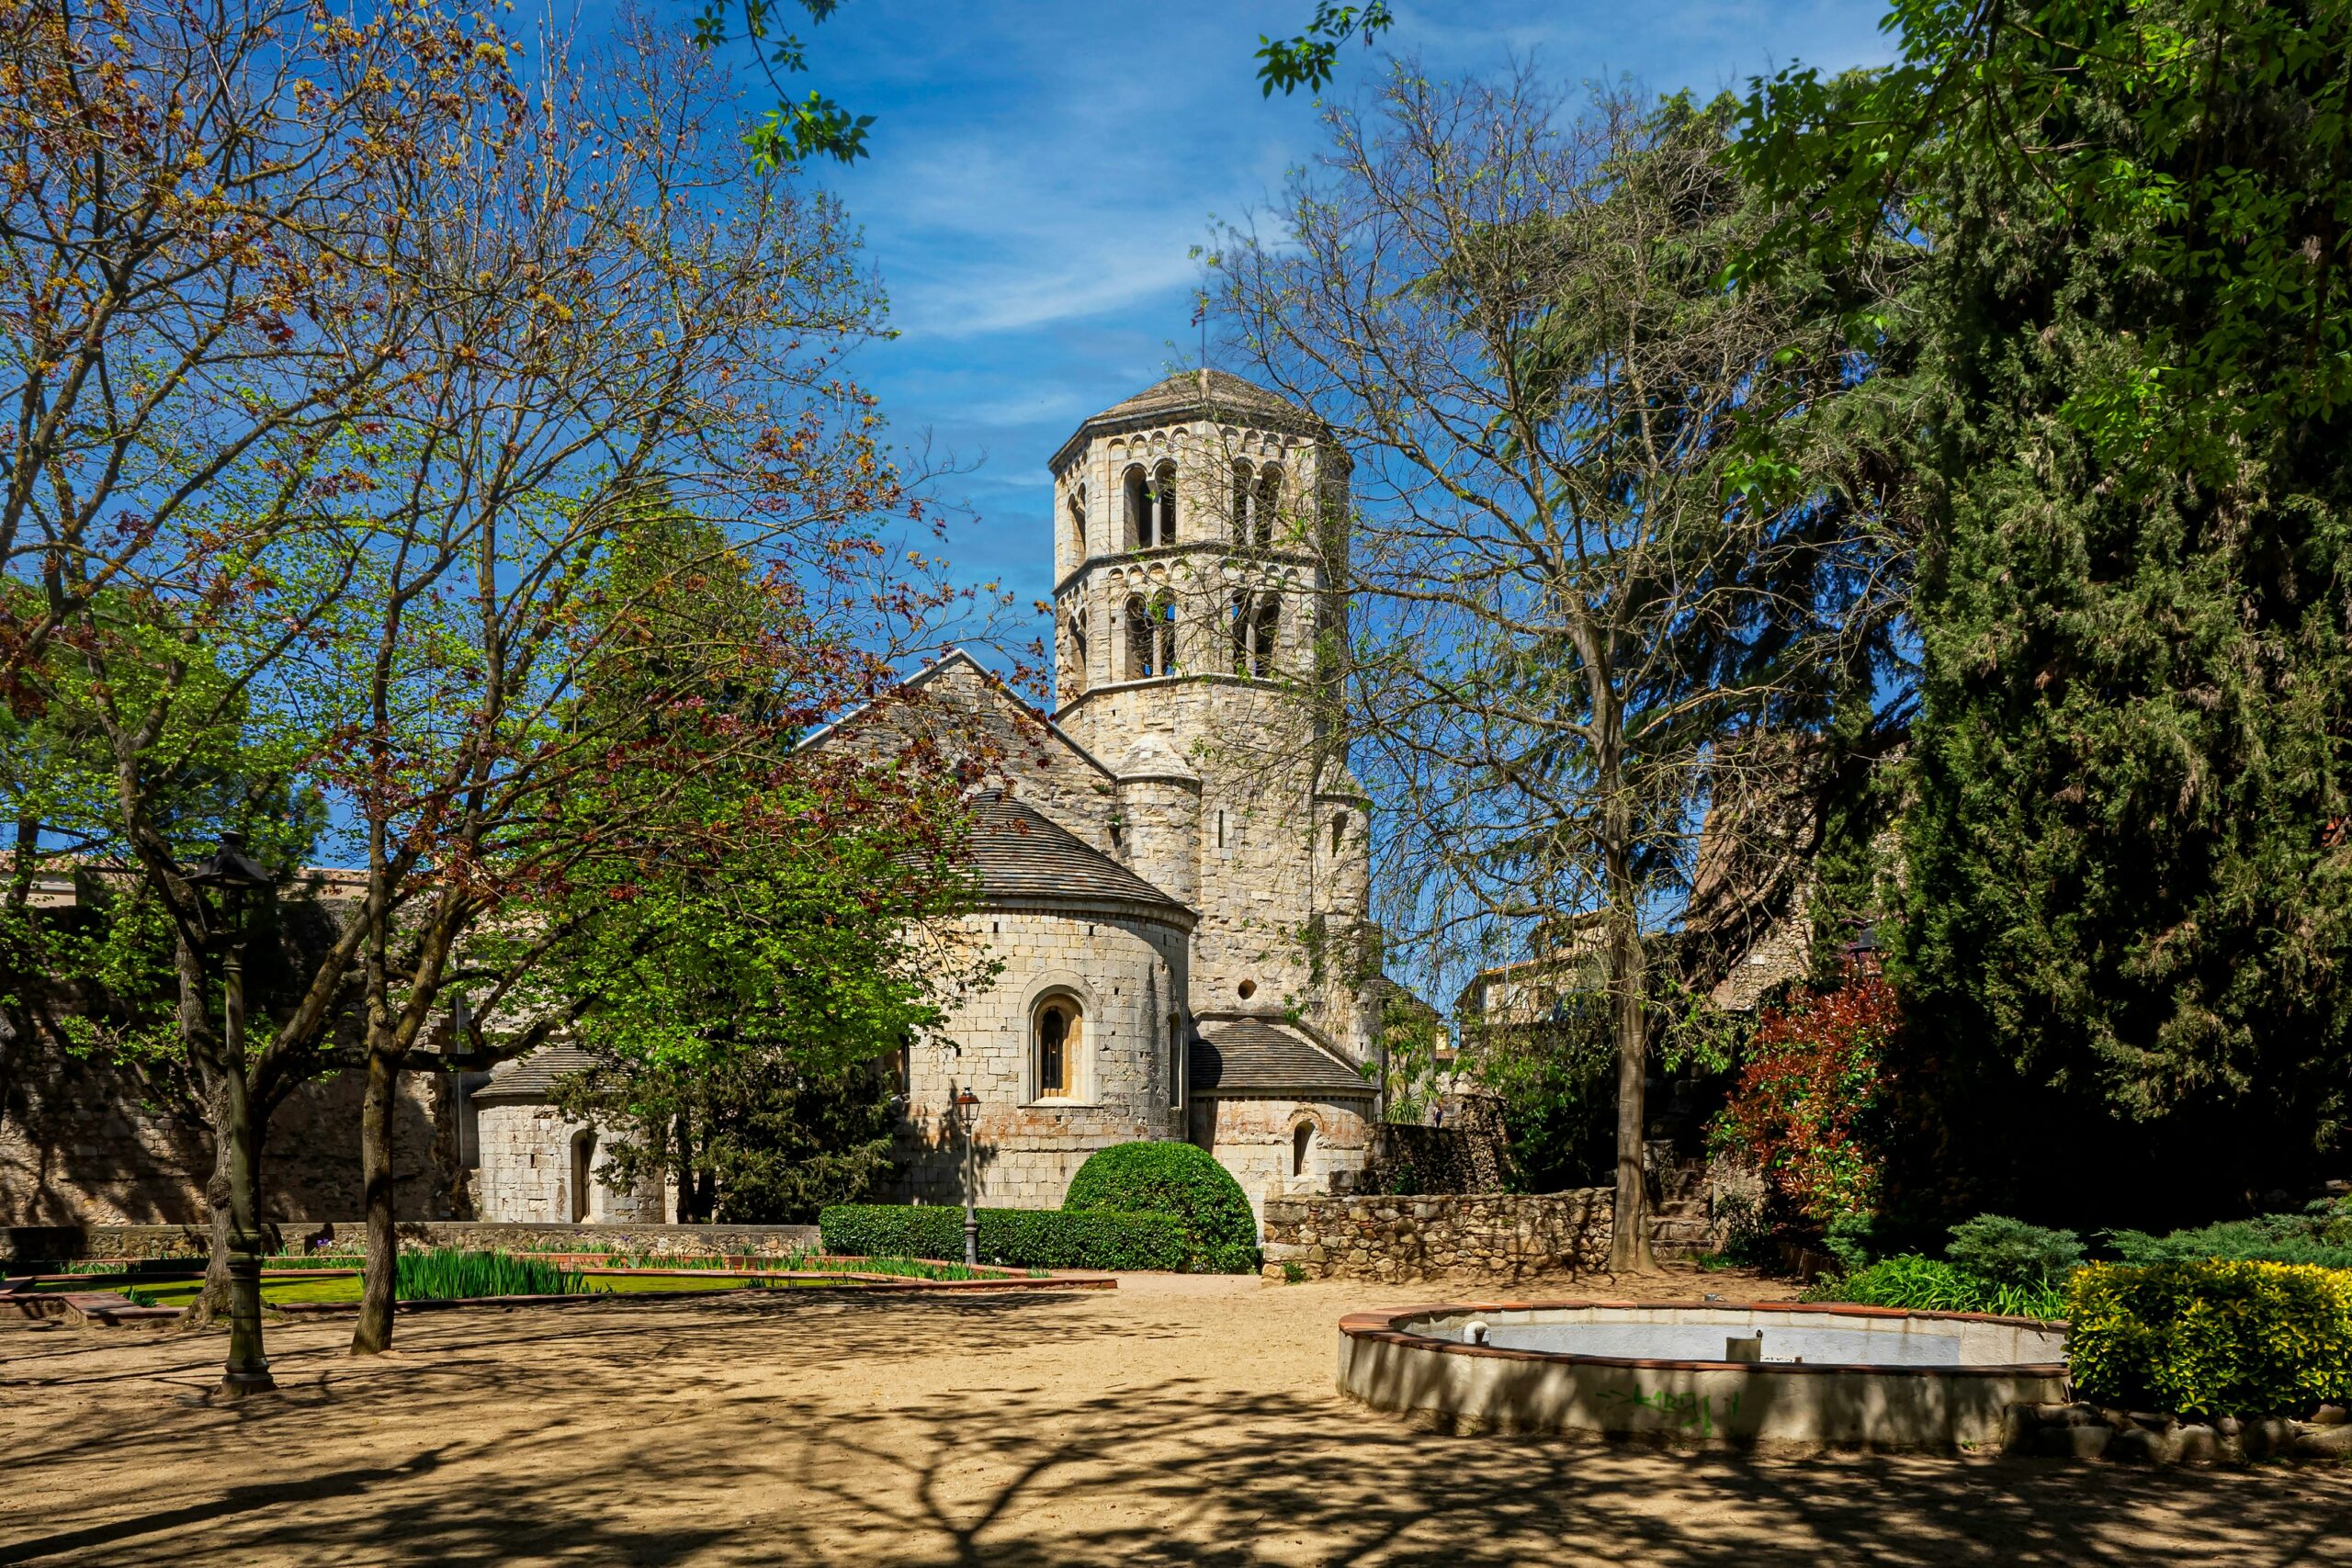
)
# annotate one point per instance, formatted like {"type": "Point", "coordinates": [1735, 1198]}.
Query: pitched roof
{"type": "Point", "coordinates": [1023, 854]}
{"type": "Point", "coordinates": [529, 1077]}
{"type": "Point", "coordinates": [1258, 1057]}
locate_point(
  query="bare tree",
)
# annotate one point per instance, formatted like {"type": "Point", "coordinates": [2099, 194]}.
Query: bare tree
{"type": "Point", "coordinates": [1583, 592]}
{"type": "Point", "coordinates": [636, 328]}
{"type": "Point", "coordinates": [201, 312]}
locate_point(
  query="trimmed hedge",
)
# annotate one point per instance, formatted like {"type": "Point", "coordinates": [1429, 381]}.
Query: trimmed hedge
{"type": "Point", "coordinates": [1020, 1238]}
{"type": "Point", "coordinates": [2212, 1339]}
{"type": "Point", "coordinates": [1182, 1179]}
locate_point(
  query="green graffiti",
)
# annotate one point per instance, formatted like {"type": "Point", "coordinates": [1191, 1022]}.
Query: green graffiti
{"type": "Point", "coordinates": [1689, 1412]}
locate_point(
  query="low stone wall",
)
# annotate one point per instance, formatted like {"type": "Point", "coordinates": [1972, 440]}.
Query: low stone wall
{"type": "Point", "coordinates": [1485, 1235]}
{"type": "Point", "coordinates": [39, 1243]}
{"type": "Point", "coordinates": [2092, 1431]}
{"type": "Point", "coordinates": [1499, 1236]}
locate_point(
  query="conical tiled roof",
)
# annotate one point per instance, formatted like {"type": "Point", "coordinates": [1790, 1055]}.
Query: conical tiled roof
{"type": "Point", "coordinates": [1021, 854]}
{"type": "Point", "coordinates": [1255, 1057]}
{"type": "Point", "coordinates": [529, 1077]}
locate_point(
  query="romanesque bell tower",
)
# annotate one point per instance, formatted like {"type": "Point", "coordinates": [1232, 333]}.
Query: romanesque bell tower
{"type": "Point", "coordinates": [1199, 558]}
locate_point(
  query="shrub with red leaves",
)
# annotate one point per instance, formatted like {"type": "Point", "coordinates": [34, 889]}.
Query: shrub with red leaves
{"type": "Point", "coordinates": [1806, 1110]}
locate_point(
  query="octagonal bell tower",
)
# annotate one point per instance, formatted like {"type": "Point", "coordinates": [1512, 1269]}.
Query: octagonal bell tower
{"type": "Point", "coordinates": [1200, 565]}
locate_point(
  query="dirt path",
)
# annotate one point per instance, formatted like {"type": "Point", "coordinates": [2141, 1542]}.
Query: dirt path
{"type": "Point", "coordinates": [1179, 1420]}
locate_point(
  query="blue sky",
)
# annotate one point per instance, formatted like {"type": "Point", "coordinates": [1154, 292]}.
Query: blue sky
{"type": "Point", "coordinates": [1041, 168]}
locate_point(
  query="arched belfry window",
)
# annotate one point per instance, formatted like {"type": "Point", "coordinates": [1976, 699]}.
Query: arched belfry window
{"type": "Point", "coordinates": [1163, 629]}
{"type": "Point", "coordinates": [1163, 492]}
{"type": "Point", "coordinates": [1056, 1030]}
{"type": "Point", "coordinates": [1241, 492]}
{"type": "Point", "coordinates": [1138, 619]}
{"type": "Point", "coordinates": [1267, 501]}
{"type": "Point", "coordinates": [1077, 650]}
{"type": "Point", "coordinates": [1077, 521]}
{"type": "Point", "coordinates": [1135, 491]}
{"type": "Point", "coordinates": [1255, 627]}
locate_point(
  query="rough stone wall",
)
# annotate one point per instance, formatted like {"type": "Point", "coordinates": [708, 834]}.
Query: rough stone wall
{"type": "Point", "coordinates": [525, 1176]}
{"type": "Point", "coordinates": [83, 1143]}
{"type": "Point", "coordinates": [1489, 1236]}
{"type": "Point", "coordinates": [1128, 975]}
{"type": "Point", "coordinates": [1502, 1237]}
{"type": "Point", "coordinates": [1257, 1141]}
{"type": "Point", "coordinates": [1260, 880]}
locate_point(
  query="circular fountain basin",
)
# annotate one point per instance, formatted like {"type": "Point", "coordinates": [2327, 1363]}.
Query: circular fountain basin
{"type": "Point", "coordinates": [1772, 1375]}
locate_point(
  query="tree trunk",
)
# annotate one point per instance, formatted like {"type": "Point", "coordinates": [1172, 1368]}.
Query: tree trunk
{"type": "Point", "coordinates": [211, 1303]}
{"type": "Point", "coordinates": [373, 1332]}
{"type": "Point", "coordinates": [1629, 1237]}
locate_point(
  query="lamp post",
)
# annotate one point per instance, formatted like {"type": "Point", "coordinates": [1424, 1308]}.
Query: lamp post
{"type": "Point", "coordinates": [233, 874]}
{"type": "Point", "coordinates": [967, 1106]}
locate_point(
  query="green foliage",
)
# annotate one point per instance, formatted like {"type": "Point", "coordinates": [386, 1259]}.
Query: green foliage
{"type": "Point", "coordinates": [448, 1274]}
{"type": "Point", "coordinates": [1023, 1238]}
{"type": "Point", "coordinates": [1930, 1284]}
{"type": "Point", "coordinates": [1175, 1179]}
{"type": "Point", "coordinates": [1307, 60]}
{"type": "Point", "coordinates": [2212, 1339]}
{"type": "Point", "coordinates": [2120, 234]}
{"type": "Point", "coordinates": [1995, 1247]}
{"type": "Point", "coordinates": [2320, 1238]}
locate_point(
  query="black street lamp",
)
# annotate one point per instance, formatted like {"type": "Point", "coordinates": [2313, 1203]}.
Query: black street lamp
{"type": "Point", "coordinates": [233, 876]}
{"type": "Point", "coordinates": [967, 1106]}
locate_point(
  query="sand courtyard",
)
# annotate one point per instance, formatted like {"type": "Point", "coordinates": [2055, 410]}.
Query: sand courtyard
{"type": "Point", "coordinates": [1179, 1420]}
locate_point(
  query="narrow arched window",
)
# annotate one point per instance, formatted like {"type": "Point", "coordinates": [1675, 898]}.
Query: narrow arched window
{"type": "Point", "coordinates": [1240, 518]}
{"type": "Point", "coordinates": [1163, 488]}
{"type": "Point", "coordinates": [1238, 626]}
{"type": "Point", "coordinates": [1301, 1142]}
{"type": "Point", "coordinates": [1139, 639]}
{"type": "Point", "coordinates": [1265, 630]}
{"type": "Point", "coordinates": [1077, 521]}
{"type": "Point", "coordinates": [583, 1160]}
{"type": "Point", "coordinates": [1137, 495]}
{"type": "Point", "coordinates": [1078, 653]}
{"type": "Point", "coordinates": [1163, 627]}
{"type": "Point", "coordinates": [1058, 1023]}
{"type": "Point", "coordinates": [1269, 502]}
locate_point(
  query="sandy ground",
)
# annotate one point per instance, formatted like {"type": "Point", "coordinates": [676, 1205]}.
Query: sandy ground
{"type": "Point", "coordinates": [1179, 1420]}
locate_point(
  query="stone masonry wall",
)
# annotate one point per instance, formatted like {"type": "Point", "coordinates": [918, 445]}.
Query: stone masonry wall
{"type": "Point", "coordinates": [1128, 975]}
{"type": "Point", "coordinates": [85, 1143]}
{"type": "Point", "coordinates": [1502, 1237]}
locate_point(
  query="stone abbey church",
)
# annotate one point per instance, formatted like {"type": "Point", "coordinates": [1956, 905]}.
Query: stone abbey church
{"type": "Point", "coordinates": [1173, 868]}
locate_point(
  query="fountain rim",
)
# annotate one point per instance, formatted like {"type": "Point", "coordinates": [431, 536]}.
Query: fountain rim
{"type": "Point", "coordinates": [1383, 1327]}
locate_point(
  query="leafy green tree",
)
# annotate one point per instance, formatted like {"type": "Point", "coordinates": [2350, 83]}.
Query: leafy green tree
{"type": "Point", "coordinates": [2128, 901]}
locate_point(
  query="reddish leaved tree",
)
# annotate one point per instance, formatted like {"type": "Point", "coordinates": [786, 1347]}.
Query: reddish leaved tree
{"type": "Point", "coordinates": [1811, 1095]}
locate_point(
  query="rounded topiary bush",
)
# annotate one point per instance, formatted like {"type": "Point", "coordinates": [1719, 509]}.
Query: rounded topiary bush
{"type": "Point", "coordinates": [1170, 1179]}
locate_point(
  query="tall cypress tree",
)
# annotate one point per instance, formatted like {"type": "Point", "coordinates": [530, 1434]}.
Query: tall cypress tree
{"type": "Point", "coordinates": [2129, 907]}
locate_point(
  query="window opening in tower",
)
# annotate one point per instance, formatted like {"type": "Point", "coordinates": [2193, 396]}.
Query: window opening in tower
{"type": "Point", "coordinates": [1137, 495]}
{"type": "Point", "coordinates": [1269, 502]}
{"type": "Point", "coordinates": [1163, 485]}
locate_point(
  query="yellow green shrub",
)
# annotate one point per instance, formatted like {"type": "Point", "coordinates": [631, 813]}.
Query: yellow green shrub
{"type": "Point", "coordinates": [2212, 1339]}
